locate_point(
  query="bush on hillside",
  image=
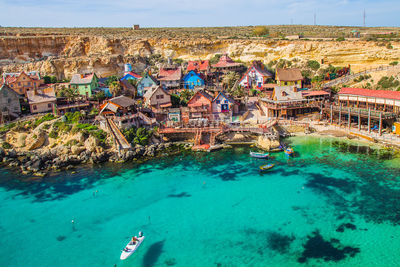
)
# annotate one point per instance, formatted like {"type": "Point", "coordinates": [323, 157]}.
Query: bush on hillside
{"type": "Point", "coordinates": [260, 31]}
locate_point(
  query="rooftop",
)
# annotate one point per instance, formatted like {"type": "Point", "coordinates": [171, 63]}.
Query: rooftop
{"type": "Point", "coordinates": [41, 96]}
{"type": "Point", "coordinates": [170, 74]}
{"type": "Point", "coordinates": [289, 75]}
{"type": "Point", "coordinates": [82, 78]}
{"type": "Point", "coordinates": [225, 61]}
{"type": "Point", "coordinates": [371, 93]}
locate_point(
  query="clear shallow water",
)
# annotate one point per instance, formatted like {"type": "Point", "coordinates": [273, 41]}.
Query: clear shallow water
{"type": "Point", "coordinates": [335, 204]}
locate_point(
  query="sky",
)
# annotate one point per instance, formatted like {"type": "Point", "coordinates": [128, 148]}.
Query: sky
{"type": "Point", "coordinates": [183, 13]}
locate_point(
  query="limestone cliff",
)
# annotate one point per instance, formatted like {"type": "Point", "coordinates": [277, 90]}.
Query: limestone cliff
{"type": "Point", "coordinates": [65, 55]}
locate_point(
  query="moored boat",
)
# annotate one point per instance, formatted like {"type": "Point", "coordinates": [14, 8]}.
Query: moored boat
{"type": "Point", "coordinates": [266, 167]}
{"type": "Point", "coordinates": [259, 155]}
{"type": "Point", "coordinates": [132, 246]}
{"type": "Point", "coordinates": [289, 151]}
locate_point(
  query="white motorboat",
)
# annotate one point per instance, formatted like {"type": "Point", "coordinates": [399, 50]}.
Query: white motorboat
{"type": "Point", "coordinates": [132, 246]}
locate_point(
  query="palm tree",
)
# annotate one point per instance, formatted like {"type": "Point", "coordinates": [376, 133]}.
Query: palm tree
{"type": "Point", "coordinates": [230, 79]}
{"type": "Point", "coordinates": [115, 88]}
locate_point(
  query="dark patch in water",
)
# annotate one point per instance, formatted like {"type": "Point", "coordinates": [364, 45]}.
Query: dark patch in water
{"type": "Point", "coordinates": [317, 247]}
{"type": "Point", "coordinates": [152, 254]}
{"type": "Point", "coordinates": [61, 238]}
{"type": "Point", "coordinates": [279, 242]}
{"type": "Point", "coordinates": [32, 220]}
{"type": "Point", "coordinates": [344, 226]}
{"type": "Point", "coordinates": [321, 182]}
{"type": "Point", "coordinates": [170, 262]}
{"type": "Point", "coordinates": [183, 194]}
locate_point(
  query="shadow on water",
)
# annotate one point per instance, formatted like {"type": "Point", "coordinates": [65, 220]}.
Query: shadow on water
{"type": "Point", "coordinates": [152, 254]}
{"type": "Point", "coordinates": [180, 195]}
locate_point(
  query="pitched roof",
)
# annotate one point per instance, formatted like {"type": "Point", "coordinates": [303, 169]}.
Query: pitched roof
{"type": "Point", "coordinates": [200, 65]}
{"type": "Point", "coordinates": [287, 93]}
{"type": "Point", "coordinates": [41, 96]}
{"type": "Point", "coordinates": [150, 76]}
{"type": "Point", "coordinates": [190, 74]}
{"type": "Point", "coordinates": [259, 67]}
{"type": "Point", "coordinates": [203, 93]}
{"type": "Point", "coordinates": [289, 75]}
{"type": "Point", "coordinates": [131, 73]}
{"type": "Point", "coordinates": [370, 93]}
{"type": "Point", "coordinates": [122, 101]}
{"type": "Point", "coordinates": [228, 97]}
{"type": "Point", "coordinates": [127, 85]}
{"type": "Point", "coordinates": [170, 74]}
{"type": "Point", "coordinates": [225, 61]}
{"type": "Point", "coordinates": [151, 92]}
{"type": "Point", "coordinates": [82, 78]}
{"type": "Point", "coordinates": [12, 76]}
{"type": "Point", "coordinates": [7, 88]}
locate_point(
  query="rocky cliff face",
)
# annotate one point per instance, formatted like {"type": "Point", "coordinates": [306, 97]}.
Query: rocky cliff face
{"type": "Point", "coordinates": [65, 55]}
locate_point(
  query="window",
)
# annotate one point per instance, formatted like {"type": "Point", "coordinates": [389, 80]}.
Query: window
{"type": "Point", "coordinates": [218, 102]}
{"type": "Point", "coordinates": [49, 105]}
{"type": "Point", "coordinates": [9, 100]}
{"type": "Point", "coordinates": [159, 96]}
{"type": "Point", "coordinates": [5, 93]}
{"type": "Point", "coordinates": [19, 84]}
{"type": "Point", "coordinates": [34, 107]}
{"type": "Point", "coordinates": [12, 85]}
{"type": "Point", "coordinates": [29, 83]}
{"type": "Point", "coordinates": [226, 101]}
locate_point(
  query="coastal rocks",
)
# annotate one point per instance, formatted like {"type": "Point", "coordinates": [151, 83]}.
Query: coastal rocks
{"type": "Point", "coordinates": [77, 150]}
{"type": "Point", "coordinates": [91, 144]}
{"type": "Point", "coordinates": [35, 141]}
{"type": "Point", "coordinates": [267, 144]}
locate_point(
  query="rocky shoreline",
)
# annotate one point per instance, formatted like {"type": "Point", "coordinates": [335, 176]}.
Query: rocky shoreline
{"type": "Point", "coordinates": [40, 164]}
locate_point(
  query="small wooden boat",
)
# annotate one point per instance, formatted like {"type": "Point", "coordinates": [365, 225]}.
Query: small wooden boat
{"type": "Point", "coordinates": [266, 167]}
{"type": "Point", "coordinates": [259, 155]}
{"type": "Point", "coordinates": [289, 151]}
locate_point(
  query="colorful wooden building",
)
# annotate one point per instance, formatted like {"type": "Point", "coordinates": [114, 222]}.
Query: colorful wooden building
{"type": "Point", "coordinates": [200, 66]}
{"type": "Point", "coordinates": [9, 103]}
{"type": "Point", "coordinates": [200, 105]}
{"type": "Point", "coordinates": [131, 76]}
{"type": "Point", "coordinates": [289, 77]}
{"type": "Point", "coordinates": [146, 83]}
{"type": "Point", "coordinates": [22, 82]}
{"type": "Point", "coordinates": [170, 77]}
{"type": "Point", "coordinates": [192, 80]}
{"type": "Point", "coordinates": [224, 106]}
{"type": "Point", "coordinates": [158, 98]}
{"type": "Point", "coordinates": [256, 76]}
{"type": "Point", "coordinates": [84, 84]}
{"type": "Point", "coordinates": [226, 64]}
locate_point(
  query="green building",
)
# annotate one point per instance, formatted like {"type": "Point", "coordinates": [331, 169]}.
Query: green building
{"type": "Point", "coordinates": [84, 83]}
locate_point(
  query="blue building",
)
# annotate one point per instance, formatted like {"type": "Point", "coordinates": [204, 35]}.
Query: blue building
{"type": "Point", "coordinates": [131, 76]}
{"type": "Point", "coordinates": [192, 80]}
{"type": "Point", "coordinates": [145, 83]}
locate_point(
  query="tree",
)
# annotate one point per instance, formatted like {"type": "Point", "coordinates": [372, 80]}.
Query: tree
{"type": "Point", "coordinates": [313, 64]}
{"type": "Point", "coordinates": [115, 88]}
{"type": "Point", "coordinates": [260, 31]}
{"type": "Point", "coordinates": [49, 79]}
{"type": "Point", "coordinates": [215, 58]}
{"type": "Point", "coordinates": [100, 96]}
{"type": "Point", "coordinates": [111, 79]}
{"type": "Point", "coordinates": [185, 96]}
{"type": "Point", "coordinates": [230, 79]}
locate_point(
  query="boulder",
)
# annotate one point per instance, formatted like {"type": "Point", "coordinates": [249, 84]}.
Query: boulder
{"type": "Point", "coordinates": [35, 141]}
{"type": "Point", "coordinates": [267, 144]}
{"type": "Point", "coordinates": [76, 150]}
{"type": "Point", "coordinates": [91, 144]}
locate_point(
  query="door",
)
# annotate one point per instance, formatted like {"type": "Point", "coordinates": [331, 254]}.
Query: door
{"type": "Point", "coordinates": [224, 108]}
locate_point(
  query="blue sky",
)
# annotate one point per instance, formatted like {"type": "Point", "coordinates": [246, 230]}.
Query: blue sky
{"type": "Point", "coordinates": [177, 13]}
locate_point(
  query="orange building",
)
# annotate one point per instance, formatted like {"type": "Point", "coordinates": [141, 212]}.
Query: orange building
{"type": "Point", "coordinates": [22, 82]}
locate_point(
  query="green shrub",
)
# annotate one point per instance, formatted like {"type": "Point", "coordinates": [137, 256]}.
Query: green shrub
{"type": "Point", "coordinates": [389, 46]}
{"type": "Point", "coordinates": [394, 63]}
{"type": "Point", "coordinates": [260, 31]}
{"type": "Point", "coordinates": [313, 64]}
{"type": "Point", "coordinates": [53, 134]}
{"type": "Point", "coordinates": [388, 82]}
{"type": "Point", "coordinates": [7, 127]}
{"type": "Point", "coordinates": [340, 39]}
{"type": "Point", "coordinates": [6, 145]}
{"type": "Point", "coordinates": [47, 117]}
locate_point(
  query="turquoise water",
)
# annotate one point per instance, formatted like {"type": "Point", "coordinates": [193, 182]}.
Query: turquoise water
{"type": "Point", "coordinates": [334, 204]}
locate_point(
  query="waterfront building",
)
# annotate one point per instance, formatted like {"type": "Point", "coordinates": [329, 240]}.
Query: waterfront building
{"type": "Point", "coordinates": [289, 77]}
{"type": "Point", "coordinates": [84, 84]}
{"type": "Point", "coordinates": [224, 106]}
{"type": "Point", "coordinates": [22, 82]}
{"type": "Point", "coordinates": [42, 100]}
{"type": "Point", "coordinates": [200, 105]}
{"type": "Point", "coordinates": [192, 80]}
{"type": "Point", "coordinates": [256, 76]}
{"type": "Point", "coordinates": [146, 83]}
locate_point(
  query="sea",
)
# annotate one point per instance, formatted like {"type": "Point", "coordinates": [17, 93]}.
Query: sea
{"type": "Point", "coordinates": [336, 202]}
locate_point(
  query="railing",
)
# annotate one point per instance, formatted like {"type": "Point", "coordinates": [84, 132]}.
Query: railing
{"type": "Point", "coordinates": [363, 112]}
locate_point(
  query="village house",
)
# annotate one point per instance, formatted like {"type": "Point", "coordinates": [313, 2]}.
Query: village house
{"type": "Point", "coordinates": [200, 106]}
{"type": "Point", "coordinates": [157, 98]}
{"type": "Point", "coordinates": [192, 80]}
{"type": "Point", "coordinates": [146, 83]}
{"type": "Point", "coordinates": [42, 100]}
{"type": "Point", "coordinates": [224, 106]}
{"type": "Point", "coordinates": [256, 76]}
{"type": "Point", "coordinates": [200, 66]}
{"type": "Point", "coordinates": [84, 84]}
{"type": "Point", "coordinates": [128, 89]}
{"type": "Point", "coordinates": [22, 82]}
{"type": "Point", "coordinates": [289, 77]}
{"type": "Point", "coordinates": [226, 64]}
{"type": "Point", "coordinates": [170, 77]}
{"type": "Point", "coordinates": [118, 106]}
{"type": "Point", "coordinates": [10, 107]}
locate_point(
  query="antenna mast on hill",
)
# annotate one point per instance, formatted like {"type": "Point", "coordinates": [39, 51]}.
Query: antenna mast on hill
{"type": "Point", "coordinates": [364, 16]}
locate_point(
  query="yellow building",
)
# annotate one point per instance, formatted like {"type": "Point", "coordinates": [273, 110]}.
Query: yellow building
{"type": "Point", "coordinates": [289, 77]}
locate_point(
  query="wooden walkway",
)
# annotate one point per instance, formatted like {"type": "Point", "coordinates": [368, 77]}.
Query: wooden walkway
{"type": "Point", "coordinates": [119, 138]}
